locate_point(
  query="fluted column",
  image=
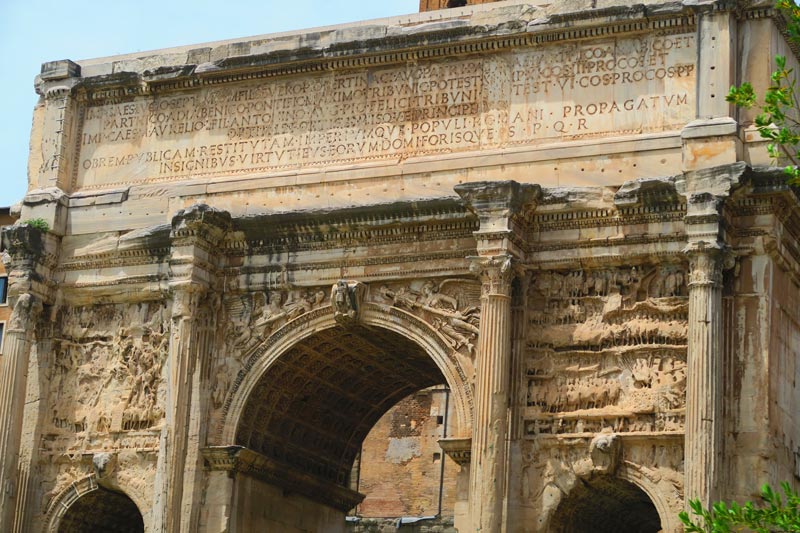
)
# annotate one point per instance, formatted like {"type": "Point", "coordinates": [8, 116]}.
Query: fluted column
{"type": "Point", "coordinates": [183, 349]}
{"type": "Point", "coordinates": [502, 208]}
{"type": "Point", "coordinates": [706, 191]}
{"type": "Point", "coordinates": [703, 445]}
{"type": "Point", "coordinates": [196, 234]}
{"type": "Point", "coordinates": [13, 381]}
{"type": "Point", "coordinates": [489, 435]}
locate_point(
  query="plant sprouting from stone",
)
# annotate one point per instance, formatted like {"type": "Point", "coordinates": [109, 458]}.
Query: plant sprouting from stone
{"type": "Point", "coordinates": [38, 223]}
{"type": "Point", "coordinates": [774, 515]}
{"type": "Point", "coordinates": [777, 121]}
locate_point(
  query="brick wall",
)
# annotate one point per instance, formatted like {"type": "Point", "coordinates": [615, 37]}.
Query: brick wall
{"type": "Point", "coordinates": [401, 461]}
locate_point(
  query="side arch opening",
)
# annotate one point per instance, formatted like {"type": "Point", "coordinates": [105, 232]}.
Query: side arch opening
{"type": "Point", "coordinates": [605, 504]}
{"type": "Point", "coordinates": [102, 510]}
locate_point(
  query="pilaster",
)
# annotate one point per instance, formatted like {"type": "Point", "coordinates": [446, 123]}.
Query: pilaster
{"type": "Point", "coordinates": [54, 145]}
{"type": "Point", "coordinates": [29, 290]}
{"type": "Point", "coordinates": [57, 140]}
{"type": "Point", "coordinates": [500, 207]}
{"type": "Point", "coordinates": [196, 232]}
{"type": "Point", "coordinates": [712, 138]}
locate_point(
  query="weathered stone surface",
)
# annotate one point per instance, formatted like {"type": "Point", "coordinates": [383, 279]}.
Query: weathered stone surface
{"type": "Point", "coordinates": [258, 247]}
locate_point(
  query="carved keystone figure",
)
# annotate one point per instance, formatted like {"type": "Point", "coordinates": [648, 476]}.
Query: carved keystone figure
{"type": "Point", "coordinates": [346, 299]}
{"type": "Point", "coordinates": [605, 450]}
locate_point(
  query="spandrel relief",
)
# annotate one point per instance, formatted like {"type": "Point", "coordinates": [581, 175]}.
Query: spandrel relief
{"type": "Point", "coordinates": [451, 306]}
{"type": "Point", "coordinates": [252, 317]}
{"type": "Point", "coordinates": [552, 470]}
{"type": "Point", "coordinates": [107, 375]}
{"type": "Point", "coordinates": [607, 351]}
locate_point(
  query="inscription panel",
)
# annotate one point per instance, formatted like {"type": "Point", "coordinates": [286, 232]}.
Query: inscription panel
{"type": "Point", "coordinates": [543, 94]}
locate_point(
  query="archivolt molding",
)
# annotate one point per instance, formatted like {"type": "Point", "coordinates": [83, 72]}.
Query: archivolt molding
{"type": "Point", "coordinates": [61, 503]}
{"type": "Point", "coordinates": [653, 486]}
{"type": "Point", "coordinates": [308, 324]}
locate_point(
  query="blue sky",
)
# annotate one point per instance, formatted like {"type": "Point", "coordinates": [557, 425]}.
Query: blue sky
{"type": "Point", "coordinates": [35, 31]}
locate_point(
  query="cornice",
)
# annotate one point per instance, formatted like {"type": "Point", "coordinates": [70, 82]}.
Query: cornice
{"type": "Point", "coordinates": [597, 218]}
{"type": "Point", "coordinates": [456, 40]}
{"type": "Point", "coordinates": [779, 19]}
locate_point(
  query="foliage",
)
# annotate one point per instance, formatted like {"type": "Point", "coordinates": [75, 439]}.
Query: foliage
{"type": "Point", "coordinates": [38, 223]}
{"type": "Point", "coordinates": [777, 121]}
{"type": "Point", "coordinates": [773, 516]}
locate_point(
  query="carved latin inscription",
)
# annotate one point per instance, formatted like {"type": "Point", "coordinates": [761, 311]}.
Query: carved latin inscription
{"type": "Point", "coordinates": [546, 93]}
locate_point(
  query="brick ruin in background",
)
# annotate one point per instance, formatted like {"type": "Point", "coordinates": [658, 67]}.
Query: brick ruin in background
{"type": "Point", "coordinates": [546, 212]}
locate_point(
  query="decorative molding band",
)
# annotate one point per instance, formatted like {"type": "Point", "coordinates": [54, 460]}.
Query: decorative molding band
{"type": "Point", "coordinates": [461, 42]}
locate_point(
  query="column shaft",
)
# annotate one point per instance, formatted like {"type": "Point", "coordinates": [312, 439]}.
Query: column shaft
{"type": "Point", "coordinates": [703, 445]}
{"type": "Point", "coordinates": [488, 465]}
{"type": "Point", "coordinates": [13, 382]}
{"type": "Point", "coordinates": [182, 352]}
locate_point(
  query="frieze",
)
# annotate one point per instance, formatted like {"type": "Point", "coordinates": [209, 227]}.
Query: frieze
{"type": "Point", "coordinates": [67, 446]}
{"type": "Point", "coordinates": [606, 350]}
{"type": "Point", "coordinates": [106, 374]}
{"type": "Point", "coordinates": [625, 240]}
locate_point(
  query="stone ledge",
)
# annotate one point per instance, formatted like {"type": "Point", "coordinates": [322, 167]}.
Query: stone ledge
{"type": "Point", "coordinates": [459, 450]}
{"type": "Point", "coordinates": [240, 460]}
{"type": "Point", "coordinates": [712, 127]}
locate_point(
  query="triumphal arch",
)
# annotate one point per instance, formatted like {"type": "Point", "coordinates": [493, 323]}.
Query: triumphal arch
{"type": "Point", "coordinates": [255, 248]}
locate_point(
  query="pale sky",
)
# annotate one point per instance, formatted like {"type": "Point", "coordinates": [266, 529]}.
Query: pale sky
{"type": "Point", "coordinates": [35, 31]}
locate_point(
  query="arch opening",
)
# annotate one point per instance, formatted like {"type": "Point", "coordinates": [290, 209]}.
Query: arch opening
{"type": "Point", "coordinates": [402, 470]}
{"type": "Point", "coordinates": [102, 510]}
{"type": "Point", "coordinates": [606, 505]}
{"type": "Point", "coordinates": [312, 408]}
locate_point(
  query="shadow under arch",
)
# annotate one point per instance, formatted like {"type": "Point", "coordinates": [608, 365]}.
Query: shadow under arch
{"type": "Point", "coordinates": [609, 504]}
{"type": "Point", "coordinates": [85, 506]}
{"type": "Point", "coordinates": [636, 475]}
{"type": "Point", "coordinates": [382, 317]}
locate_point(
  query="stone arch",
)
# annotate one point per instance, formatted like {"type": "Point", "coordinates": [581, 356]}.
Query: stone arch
{"type": "Point", "coordinates": [655, 490]}
{"type": "Point", "coordinates": [606, 504]}
{"type": "Point", "coordinates": [126, 508]}
{"type": "Point", "coordinates": [386, 317]}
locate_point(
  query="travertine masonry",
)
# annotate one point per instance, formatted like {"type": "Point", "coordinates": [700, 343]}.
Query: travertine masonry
{"type": "Point", "coordinates": [259, 247]}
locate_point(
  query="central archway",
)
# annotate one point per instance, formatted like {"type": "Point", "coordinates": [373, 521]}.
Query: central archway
{"type": "Point", "coordinates": [373, 316]}
{"type": "Point", "coordinates": [317, 402]}
{"type": "Point", "coordinates": [298, 412]}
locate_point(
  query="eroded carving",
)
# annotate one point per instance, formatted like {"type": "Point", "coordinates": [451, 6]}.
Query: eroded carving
{"type": "Point", "coordinates": [451, 306]}
{"type": "Point", "coordinates": [252, 317]}
{"type": "Point", "coordinates": [346, 299]}
{"type": "Point", "coordinates": [605, 450]}
{"type": "Point", "coordinates": [607, 351]}
{"type": "Point", "coordinates": [107, 372]}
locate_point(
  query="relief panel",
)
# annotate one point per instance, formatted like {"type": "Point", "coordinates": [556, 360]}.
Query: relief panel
{"type": "Point", "coordinates": [450, 306]}
{"type": "Point", "coordinates": [107, 385]}
{"type": "Point", "coordinates": [606, 351]}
